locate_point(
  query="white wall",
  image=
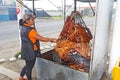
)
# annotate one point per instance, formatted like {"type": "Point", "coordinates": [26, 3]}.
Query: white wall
{"type": "Point", "coordinates": [115, 49]}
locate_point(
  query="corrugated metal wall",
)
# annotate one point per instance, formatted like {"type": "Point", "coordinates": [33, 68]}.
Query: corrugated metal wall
{"type": "Point", "coordinates": [7, 13]}
{"type": "Point", "coordinates": [3, 14]}
{"type": "Point", "coordinates": [12, 14]}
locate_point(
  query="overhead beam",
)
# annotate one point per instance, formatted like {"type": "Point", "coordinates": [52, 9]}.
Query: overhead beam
{"type": "Point", "coordinates": [89, 0]}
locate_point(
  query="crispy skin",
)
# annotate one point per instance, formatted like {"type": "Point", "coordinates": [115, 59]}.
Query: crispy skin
{"type": "Point", "coordinates": [74, 37]}
{"type": "Point", "coordinates": [63, 46]}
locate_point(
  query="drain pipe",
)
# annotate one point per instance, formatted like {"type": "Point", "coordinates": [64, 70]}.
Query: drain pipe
{"type": "Point", "coordinates": [115, 48]}
{"type": "Point", "coordinates": [64, 10]}
{"type": "Point", "coordinates": [75, 5]}
{"type": "Point", "coordinates": [33, 3]}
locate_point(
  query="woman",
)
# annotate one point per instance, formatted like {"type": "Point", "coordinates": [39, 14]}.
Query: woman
{"type": "Point", "coordinates": [30, 44]}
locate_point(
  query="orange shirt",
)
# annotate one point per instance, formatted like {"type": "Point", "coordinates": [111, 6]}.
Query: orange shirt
{"type": "Point", "coordinates": [31, 35]}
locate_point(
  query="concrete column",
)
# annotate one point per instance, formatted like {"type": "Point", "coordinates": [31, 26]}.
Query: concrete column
{"type": "Point", "coordinates": [115, 49]}
{"type": "Point", "coordinates": [101, 37]}
{"type": "Point", "coordinates": [20, 9]}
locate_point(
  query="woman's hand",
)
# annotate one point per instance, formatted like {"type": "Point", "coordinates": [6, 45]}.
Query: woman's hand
{"type": "Point", "coordinates": [54, 40]}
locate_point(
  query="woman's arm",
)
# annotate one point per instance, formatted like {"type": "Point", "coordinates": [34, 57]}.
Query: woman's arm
{"type": "Point", "coordinates": [44, 39]}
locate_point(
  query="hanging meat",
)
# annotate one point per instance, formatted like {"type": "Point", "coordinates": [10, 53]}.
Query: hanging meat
{"type": "Point", "coordinates": [74, 38]}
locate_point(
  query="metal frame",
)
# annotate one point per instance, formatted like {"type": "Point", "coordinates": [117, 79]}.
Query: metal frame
{"type": "Point", "coordinates": [87, 0]}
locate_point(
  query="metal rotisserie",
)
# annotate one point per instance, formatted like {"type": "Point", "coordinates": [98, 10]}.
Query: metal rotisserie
{"type": "Point", "coordinates": [72, 48]}
{"type": "Point", "coordinates": [74, 61]}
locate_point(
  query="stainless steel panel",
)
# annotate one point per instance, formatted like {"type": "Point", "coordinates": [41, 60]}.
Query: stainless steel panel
{"type": "Point", "coordinates": [48, 70]}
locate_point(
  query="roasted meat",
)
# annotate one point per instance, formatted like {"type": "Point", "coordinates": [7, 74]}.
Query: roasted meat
{"type": "Point", "coordinates": [73, 38]}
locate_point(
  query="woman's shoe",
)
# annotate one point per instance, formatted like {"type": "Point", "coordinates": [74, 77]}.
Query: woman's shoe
{"type": "Point", "coordinates": [21, 78]}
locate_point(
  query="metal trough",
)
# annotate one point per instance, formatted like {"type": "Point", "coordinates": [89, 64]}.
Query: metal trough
{"type": "Point", "coordinates": [47, 69]}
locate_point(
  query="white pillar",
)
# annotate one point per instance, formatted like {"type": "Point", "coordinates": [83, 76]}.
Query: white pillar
{"type": "Point", "coordinates": [20, 9]}
{"type": "Point", "coordinates": [115, 49]}
{"type": "Point", "coordinates": [101, 38]}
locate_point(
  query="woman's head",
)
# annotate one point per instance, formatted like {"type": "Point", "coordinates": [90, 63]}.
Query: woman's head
{"type": "Point", "coordinates": [28, 19]}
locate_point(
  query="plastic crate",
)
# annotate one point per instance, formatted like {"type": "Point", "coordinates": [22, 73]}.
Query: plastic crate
{"type": "Point", "coordinates": [116, 71]}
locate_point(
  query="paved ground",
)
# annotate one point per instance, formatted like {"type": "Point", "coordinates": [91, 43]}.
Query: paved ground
{"type": "Point", "coordinates": [9, 70]}
{"type": "Point", "coordinates": [4, 77]}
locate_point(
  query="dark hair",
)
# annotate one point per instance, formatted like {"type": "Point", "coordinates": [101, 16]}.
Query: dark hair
{"type": "Point", "coordinates": [21, 23]}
